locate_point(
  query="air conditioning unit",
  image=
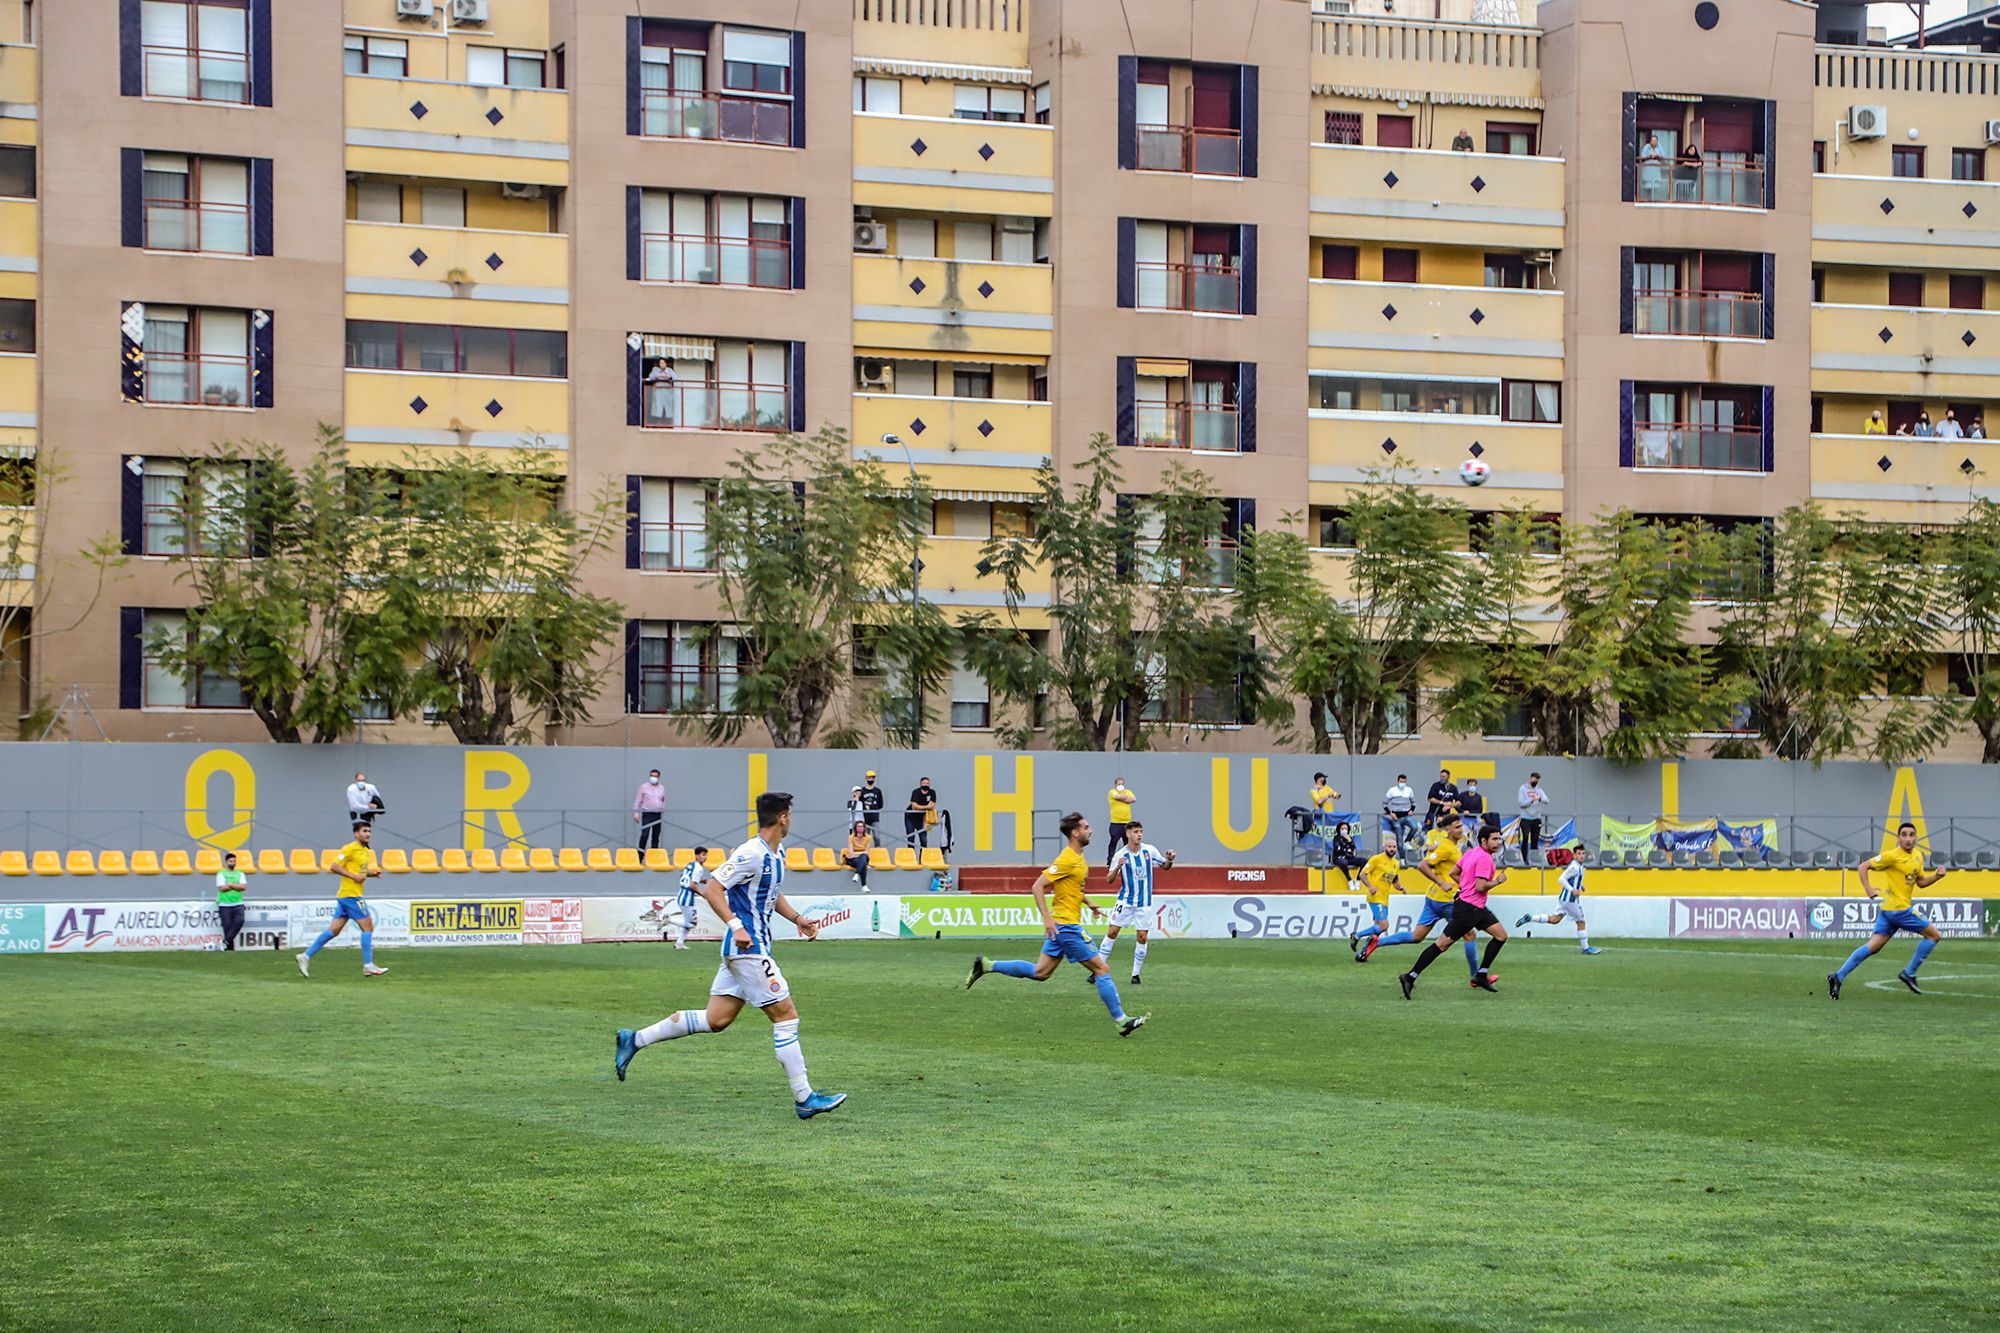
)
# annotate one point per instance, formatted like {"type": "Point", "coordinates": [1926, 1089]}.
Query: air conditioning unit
{"type": "Point", "coordinates": [468, 11]}
{"type": "Point", "coordinates": [413, 9]}
{"type": "Point", "coordinates": [873, 236]}
{"type": "Point", "coordinates": [516, 190]}
{"type": "Point", "coordinates": [874, 374]}
{"type": "Point", "coordinates": [1867, 122]}
{"type": "Point", "coordinates": [1993, 131]}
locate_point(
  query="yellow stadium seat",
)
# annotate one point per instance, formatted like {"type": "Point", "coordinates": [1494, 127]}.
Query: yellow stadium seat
{"type": "Point", "coordinates": [513, 858]}
{"type": "Point", "coordinates": [143, 863]}
{"type": "Point", "coordinates": [456, 862]}
{"type": "Point", "coordinates": [797, 858]}
{"type": "Point", "coordinates": [80, 863]}
{"type": "Point", "coordinates": [628, 859]}
{"type": "Point", "coordinates": [270, 861]}
{"type": "Point", "coordinates": [176, 863]}
{"type": "Point", "coordinates": [486, 861]}
{"type": "Point", "coordinates": [599, 858]}
{"type": "Point", "coordinates": [906, 858]}
{"type": "Point", "coordinates": [13, 863]}
{"type": "Point", "coordinates": [932, 859]}
{"type": "Point", "coordinates": [424, 860]}
{"type": "Point", "coordinates": [714, 859]}
{"type": "Point", "coordinates": [48, 863]}
{"type": "Point", "coordinates": [878, 859]}
{"type": "Point", "coordinates": [657, 858]}
{"type": "Point", "coordinates": [571, 858]}
{"type": "Point", "coordinates": [305, 861]}
{"type": "Point", "coordinates": [111, 863]}
{"type": "Point", "coordinates": [825, 858]}
{"type": "Point", "coordinates": [207, 861]}
{"type": "Point", "coordinates": [395, 861]}
{"type": "Point", "coordinates": [541, 858]}
{"type": "Point", "coordinates": [329, 857]}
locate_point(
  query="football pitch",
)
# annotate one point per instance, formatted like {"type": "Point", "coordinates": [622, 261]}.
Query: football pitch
{"type": "Point", "coordinates": [1668, 1135]}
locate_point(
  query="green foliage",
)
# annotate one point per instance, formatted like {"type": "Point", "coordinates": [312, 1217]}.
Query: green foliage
{"type": "Point", "coordinates": [29, 485]}
{"type": "Point", "coordinates": [1304, 634]}
{"type": "Point", "coordinates": [1969, 620]}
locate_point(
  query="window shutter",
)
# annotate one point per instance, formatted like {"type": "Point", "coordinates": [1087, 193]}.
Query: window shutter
{"type": "Point", "coordinates": [1770, 296]}
{"type": "Point", "coordinates": [132, 196]}
{"type": "Point", "coordinates": [1624, 423]}
{"type": "Point", "coordinates": [260, 52]}
{"type": "Point", "coordinates": [632, 254]}
{"type": "Point", "coordinates": [1246, 406]}
{"type": "Point", "coordinates": [1249, 252]}
{"type": "Point", "coordinates": [1768, 148]}
{"type": "Point", "coordinates": [1128, 410]}
{"type": "Point", "coordinates": [132, 504]}
{"type": "Point", "coordinates": [632, 666]}
{"type": "Point", "coordinates": [131, 81]}
{"type": "Point", "coordinates": [798, 386]}
{"type": "Point", "coordinates": [1246, 518]}
{"type": "Point", "coordinates": [1628, 170]}
{"type": "Point", "coordinates": [632, 485]}
{"type": "Point", "coordinates": [1128, 263]}
{"type": "Point", "coordinates": [635, 39]}
{"type": "Point", "coordinates": [796, 207]}
{"type": "Point", "coordinates": [635, 380]}
{"type": "Point", "coordinates": [263, 348]}
{"type": "Point", "coordinates": [1126, 521]}
{"type": "Point", "coordinates": [132, 352]}
{"type": "Point", "coordinates": [131, 649]}
{"type": "Point", "coordinates": [798, 90]}
{"type": "Point", "coordinates": [1128, 113]}
{"type": "Point", "coordinates": [1625, 253]}
{"type": "Point", "coordinates": [263, 521]}
{"type": "Point", "coordinates": [1770, 432]}
{"type": "Point", "coordinates": [1246, 95]}
{"type": "Point", "coordinates": [263, 207]}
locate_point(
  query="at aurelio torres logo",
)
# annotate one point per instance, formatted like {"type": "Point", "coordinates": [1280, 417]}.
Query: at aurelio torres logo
{"type": "Point", "coordinates": [79, 929]}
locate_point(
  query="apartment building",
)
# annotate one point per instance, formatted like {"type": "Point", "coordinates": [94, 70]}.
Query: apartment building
{"type": "Point", "coordinates": [1286, 243]}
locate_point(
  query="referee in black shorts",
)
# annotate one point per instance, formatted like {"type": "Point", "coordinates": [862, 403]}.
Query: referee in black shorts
{"type": "Point", "coordinates": [1478, 875]}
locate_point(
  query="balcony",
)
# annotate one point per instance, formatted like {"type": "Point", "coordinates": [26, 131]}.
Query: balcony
{"type": "Point", "coordinates": [993, 33]}
{"type": "Point", "coordinates": [716, 261]}
{"type": "Point", "coordinates": [932, 165]}
{"type": "Point", "coordinates": [414, 127]}
{"type": "Point", "coordinates": [1859, 219]}
{"type": "Point", "coordinates": [1717, 183]}
{"type": "Point", "coordinates": [1214, 427]}
{"type": "Point", "coordinates": [1697, 446]}
{"type": "Point", "coordinates": [1199, 150]}
{"type": "Point", "coordinates": [687, 689]}
{"type": "Point", "coordinates": [397, 408]}
{"type": "Point", "coordinates": [1215, 289]}
{"type": "Point", "coordinates": [723, 405]}
{"type": "Point", "coordinates": [973, 445]}
{"type": "Point", "coordinates": [951, 578]}
{"type": "Point", "coordinates": [502, 270]}
{"type": "Point", "coordinates": [1697, 314]}
{"type": "Point", "coordinates": [1499, 65]}
{"type": "Point", "coordinates": [1904, 351]}
{"type": "Point", "coordinates": [675, 548]}
{"type": "Point", "coordinates": [1414, 327]}
{"type": "Point", "coordinates": [17, 585]}
{"type": "Point", "coordinates": [1345, 448]}
{"type": "Point", "coordinates": [722, 117]}
{"type": "Point", "coordinates": [207, 379]}
{"type": "Point", "coordinates": [1411, 196]}
{"type": "Point", "coordinates": [18, 74]}
{"type": "Point", "coordinates": [1920, 478]}
{"type": "Point", "coordinates": [944, 305]}
{"type": "Point", "coordinates": [20, 245]}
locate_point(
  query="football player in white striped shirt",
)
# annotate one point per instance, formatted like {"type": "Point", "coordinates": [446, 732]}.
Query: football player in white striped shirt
{"type": "Point", "coordinates": [745, 893]}
{"type": "Point", "coordinates": [692, 878]}
{"type": "Point", "coordinates": [1569, 902]}
{"type": "Point", "coordinates": [1131, 870]}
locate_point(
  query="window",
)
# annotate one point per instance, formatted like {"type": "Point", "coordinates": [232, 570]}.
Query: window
{"type": "Point", "coordinates": [1819, 284]}
{"type": "Point", "coordinates": [1516, 139]}
{"type": "Point", "coordinates": [972, 242]}
{"type": "Point", "coordinates": [1534, 401]}
{"type": "Point", "coordinates": [728, 239]}
{"type": "Point", "coordinates": [1395, 131]}
{"type": "Point", "coordinates": [1335, 528]}
{"type": "Point", "coordinates": [1399, 265]}
{"type": "Point", "coordinates": [17, 325]}
{"type": "Point", "coordinates": [757, 62]}
{"type": "Point", "coordinates": [1513, 723]}
{"type": "Point", "coordinates": [687, 667]}
{"type": "Point", "coordinates": [962, 518]}
{"type": "Point", "coordinates": [198, 204]}
{"type": "Point", "coordinates": [378, 201]}
{"type": "Point", "coordinates": [205, 497]}
{"type": "Point", "coordinates": [1968, 164]}
{"type": "Point", "coordinates": [1819, 156]}
{"type": "Point", "coordinates": [1340, 262]}
{"type": "Point", "coordinates": [1968, 291]}
{"type": "Point", "coordinates": [1343, 127]}
{"type": "Point", "coordinates": [1906, 289]}
{"type": "Point", "coordinates": [1041, 104]}
{"type": "Point", "coordinates": [17, 172]}
{"type": "Point", "coordinates": [916, 238]}
{"type": "Point", "coordinates": [1211, 279]}
{"type": "Point", "coordinates": [975, 101]}
{"type": "Point", "coordinates": [446, 349]}
{"type": "Point", "coordinates": [753, 103]}
{"type": "Point", "coordinates": [443, 206]}
{"type": "Point", "coordinates": [972, 382]}
{"type": "Point", "coordinates": [1378, 393]}
{"type": "Point", "coordinates": [1906, 159]}
{"type": "Point", "coordinates": [386, 57]}
{"type": "Point", "coordinates": [163, 689]}
{"type": "Point", "coordinates": [501, 67]}
{"type": "Point", "coordinates": [715, 384]}
{"type": "Point", "coordinates": [673, 524]}
{"type": "Point", "coordinates": [1508, 271]}
{"type": "Point", "coordinates": [196, 50]}
{"type": "Point", "coordinates": [196, 355]}
{"type": "Point", "coordinates": [971, 700]}
{"type": "Point", "coordinates": [878, 97]}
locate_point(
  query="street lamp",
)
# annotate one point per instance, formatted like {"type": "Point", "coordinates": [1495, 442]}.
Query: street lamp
{"type": "Point", "coordinates": [916, 572]}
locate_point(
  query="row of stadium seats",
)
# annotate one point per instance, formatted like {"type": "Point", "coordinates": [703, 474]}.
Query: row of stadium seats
{"type": "Point", "coordinates": [1821, 860]}
{"type": "Point", "coordinates": [425, 861]}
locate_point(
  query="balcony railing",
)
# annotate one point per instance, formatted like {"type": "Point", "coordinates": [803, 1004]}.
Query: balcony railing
{"type": "Point", "coordinates": [219, 530]}
{"type": "Point", "coordinates": [1713, 181]}
{"type": "Point", "coordinates": [763, 407]}
{"type": "Point", "coordinates": [1698, 314]}
{"type": "Point", "coordinates": [727, 261]}
{"type": "Point", "coordinates": [1203, 150]}
{"type": "Point", "coordinates": [1710, 447]}
{"type": "Point", "coordinates": [185, 377]}
{"type": "Point", "coordinates": [679, 689]}
{"type": "Point", "coordinates": [1219, 571]}
{"type": "Point", "coordinates": [1217, 288]}
{"type": "Point", "coordinates": [196, 225]}
{"type": "Point", "coordinates": [703, 115]}
{"type": "Point", "coordinates": [1188, 426]}
{"type": "Point", "coordinates": [197, 75]}
{"type": "Point", "coordinates": [675, 546]}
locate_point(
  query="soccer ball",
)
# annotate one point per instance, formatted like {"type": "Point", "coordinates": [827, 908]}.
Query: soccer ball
{"type": "Point", "coordinates": [1474, 472]}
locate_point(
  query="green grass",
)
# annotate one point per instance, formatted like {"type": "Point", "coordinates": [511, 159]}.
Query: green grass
{"type": "Point", "coordinates": [1663, 1136]}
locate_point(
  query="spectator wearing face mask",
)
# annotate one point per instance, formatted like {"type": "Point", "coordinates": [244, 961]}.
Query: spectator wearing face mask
{"type": "Point", "coordinates": [647, 807]}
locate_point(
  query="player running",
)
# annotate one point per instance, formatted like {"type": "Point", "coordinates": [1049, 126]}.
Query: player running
{"type": "Point", "coordinates": [1132, 871]}
{"type": "Point", "coordinates": [1904, 866]}
{"type": "Point", "coordinates": [1379, 878]}
{"type": "Point", "coordinates": [1477, 876]}
{"type": "Point", "coordinates": [1569, 903]}
{"type": "Point", "coordinates": [1063, 924]}
{"type": "Point", "coordinates": [744, 893]}
{"type": "Point", "coordinates": [1440, 866]}
{"type": "Point", "coordinates": [355, 865]}
{"type": "Point", "coordinates": [692, 878]}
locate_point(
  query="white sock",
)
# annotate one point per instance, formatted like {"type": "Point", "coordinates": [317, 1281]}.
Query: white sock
{"type": "Point", "coordinates": [785, 1041]}
{"type": "Point", "coordinates": [1138, 959]}
{"type": "Point", "coordinates": [681, 933]}
{"type": "Point", "coordinates": [685, 1023]}
{"type": "Point", "coordinates": [1582, 940]}
{"type": "Point", "coordinates": [1104, 949]}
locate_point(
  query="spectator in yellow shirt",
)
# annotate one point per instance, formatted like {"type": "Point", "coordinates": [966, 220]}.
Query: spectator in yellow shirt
{"type": "Point", "coordinates": [1122, 799]}
{"type": "Point", "coordinates": [1875, 425]}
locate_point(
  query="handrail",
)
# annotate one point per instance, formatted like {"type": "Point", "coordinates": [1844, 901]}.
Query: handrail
{"type": "Point", "coordinates": [675, 546]}
{"type": "Point", "coordinates": [1200, 149]}
{"type": "Point", "coordinates": [192, 227]}
{"type": "Point", "coordinates": [1694, 312]}
{"type": "Point", "coordinates": [725, 261]}
{"type": "Point", "coordinates": [194, 58]}
{"type": "Point", "coordinates": [167, 371]}
{"type": "Point", "coordinates": [667, 113]}
{"type": "Point", "coordinates": [1188, 426]}
{"type": "Point", "coordinates": [722, 405]}
{"type": "Point", "coordinates": [672, 689]}
{"type": "Point", "coordinates": [1177, 286]}
{"type": "Point", "coordinates": [1668, 180]}
{"type": "Point", "coordinates": [1698, 445]}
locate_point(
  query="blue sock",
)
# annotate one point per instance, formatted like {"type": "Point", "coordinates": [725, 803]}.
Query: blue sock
{"type": "Point", "coordinates": [367, 948]}
{"type": "Point", "coordinates": [318, 944]}
{"type": "Point", "coordinates": [1026, 971]}
{"type": "Point", "coordinates": [1471, 957]}
{"type": "Point", "coordinates": [1854, 960]}
{"type": "Point", "coordinates": [1366, 931]}
{"type": "Point", "coordinates": [1400, 937]}
{"type": "Point", "coordinates": [1107, 991]}
{"type": "Point", "coordinates": [1924, 948]}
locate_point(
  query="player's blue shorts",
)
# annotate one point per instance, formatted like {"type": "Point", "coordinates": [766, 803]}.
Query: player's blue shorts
{"type": "Point", "coordinates": [1888, 923]}
{"type": "Point", "coordinates": [1071, 943]}
{"type": "Point", "coordinates": [1380, 911]}
{"type": "Point", "coordinates": [1434, 913]}
{"type": "Point", "coordinates": [357, 908]}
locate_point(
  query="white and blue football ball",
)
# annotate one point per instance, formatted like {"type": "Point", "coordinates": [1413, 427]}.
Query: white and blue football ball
{"type": "Point", "coordinates": [1474, 472]}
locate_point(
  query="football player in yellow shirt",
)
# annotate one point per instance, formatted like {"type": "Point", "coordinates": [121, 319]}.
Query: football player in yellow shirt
{"type": "Point", "coordinates": [1062, 922]}
{"type": "Point", "coordinates": [1440, 867]}
{"type": "Point", "coordinates": [1379, 878]}
{"type": "Point", "coordinates": [1902, 868]}
{"type": "Point", "coordinates": [354, 866]}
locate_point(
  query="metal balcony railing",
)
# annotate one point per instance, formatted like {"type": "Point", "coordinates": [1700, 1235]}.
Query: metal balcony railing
{"type": "Point", "coordinates": [1216, 288]}
{"type": "Point", "coordinates": [1698, 313]}
{"type": "Point", "coordinates": [198, 226]}
{"type": "Point", "coordinates": [727, 261]}
{"type": "Point", "coordinates": [1713, 181]}
{"type": "Point", "coordinates": [675, 546]}
{"type": "Point", "coordinates": [1200, 149]}
{"type": "Point", "coordinates": [206, 378]}
{"type": "Point", "coordinates": [1698, 445]}
{"type": "Point", "coordinates": [666, 114]}
{"type": "Point", "coordinates": [1188, 426]}
{"type": "Point", "coordinates": [763, 407]}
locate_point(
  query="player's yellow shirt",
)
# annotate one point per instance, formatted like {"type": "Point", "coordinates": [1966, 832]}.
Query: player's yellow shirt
{"type": "Point", "coordinates": [1378, 877]}
{"type": "Point", "coordinates": [1899, 871]}
{"type": "Point", "coordinates": [1121, 799]}
{"type": "Point", "coordinates": [1441, 854]}
{"type": "Point", "coordinates": [1066, 877]}
{"type": "Point", "coordinates": [355, 860]}
{"type": "Point", "coordinates": [1323, 798]}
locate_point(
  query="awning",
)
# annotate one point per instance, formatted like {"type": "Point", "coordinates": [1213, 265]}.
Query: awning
{"type": "Point", "coordinates": [986, 497]}
{"type": "Point", "coordinates": [958, 358]}
{"type": "Point", "coordinates": [931, 69]}
{"type": "Point", "coordinates": [1506, 100]}
{"type": "Point", "coordinates": [676, 348]}
{"type": "Point", "coordinates": [1172, 370]}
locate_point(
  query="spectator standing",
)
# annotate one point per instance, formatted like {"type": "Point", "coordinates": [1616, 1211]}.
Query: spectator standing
{"type": "Point", "coordinates": [1925, 431]}
{"type": "Point", "coordinates": [647, 807]}
{"type": "Point", "coordinates": [1652, 170]}
{"type": "Point", "coordinates": [364, 802]}
{"type": "Point", "coordinates": [1949, 429]}
{"type": "Point", "coordinates": [1687, 173]}
{"type": "Point", "coordinates": [871, 800]}
{"type": "Point", "coordinates": [1399, 805]}
{"type": "Point", "coordinates": [856, 812]}
{"type": "Point", "coordinates": [229, 883]}
{"type": "Point", "coordinates": [1531, 800]}
{"type": "Point", "coordinates": [1442, 798]}
{"type": "Point", "coordinates": [1323, 796]}
{"type": "Point", "coordinates": [1121, 799]}
{"type": "Point", "coordinates": [1473, 805]}
{"type": "Point", "coordinates": [1462, 141]}
{"type": "Point", "coordinates": [1875, 425]}
{"type": "Point", "coordinates": [859, 844]}
{"type": "Point", "coordinates": [919, 813]}
{"type": "Point", "coordinates": [660, 383]}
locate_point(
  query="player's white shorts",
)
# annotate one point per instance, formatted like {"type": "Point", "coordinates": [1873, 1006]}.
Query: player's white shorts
{"type": "Point", "coordinates": [1573, 911]}
{"type": "Point", "coordinates": [753, 979]}
{"type": "Point", "coordinates": [1124, 914]}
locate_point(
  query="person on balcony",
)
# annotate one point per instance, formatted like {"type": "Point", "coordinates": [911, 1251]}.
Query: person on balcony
{"type": "Point", "coordinates": [1925, 431]}
{"type": "Point", "coordinates": [1949, 429]}
{"type": "Point", "coordinates": [1652, 169]}
{"type": "Point", "coordinates": [1978, 431]}
{"type": "Point", "coordinates": [660, 384]}
{"type": "Point", "coordinates": [1875, 425]}
{"type": "Point", "coordinates": [1462, 141]}
{"type": "Point", "coordinates": [1687, 173]}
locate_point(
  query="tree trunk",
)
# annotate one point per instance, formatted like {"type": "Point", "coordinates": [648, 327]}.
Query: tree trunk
{"type": "Point", "coordinates": [1316, 711]}
{"type": "Point", "coordinates": [1989, 734]}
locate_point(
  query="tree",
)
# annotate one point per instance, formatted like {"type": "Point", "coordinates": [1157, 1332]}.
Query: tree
{"type": "Point", "coordinates": [1302, 631]}
{"type": "Point", "coordinates": [1970, 612]}
{"type": "Point", "coordinates": [1133, 604]}
{"type": "Point", "coordinates": [31, 576]}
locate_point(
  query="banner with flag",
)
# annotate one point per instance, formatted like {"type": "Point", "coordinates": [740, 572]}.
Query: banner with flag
{"type": "Point", "coordinates": [1756, 835]}
{"type": "Point", "coordinates": [1684, 837]}
{"type": "Point", "coordinates": [1623, 835]}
